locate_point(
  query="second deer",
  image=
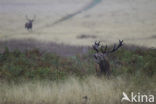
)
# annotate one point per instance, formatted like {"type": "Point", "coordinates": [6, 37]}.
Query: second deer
{"type": "Point", "coordinates": [29, 23]}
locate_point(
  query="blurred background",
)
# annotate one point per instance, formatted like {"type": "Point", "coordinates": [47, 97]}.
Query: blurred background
{"type": "Point", "coordinates": [80, 22]}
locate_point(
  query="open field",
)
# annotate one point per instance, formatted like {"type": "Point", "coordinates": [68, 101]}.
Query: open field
{"type": "Point", "coordinates": [54, 63]}
{"type": "Point", "coordinates": [64, 21]}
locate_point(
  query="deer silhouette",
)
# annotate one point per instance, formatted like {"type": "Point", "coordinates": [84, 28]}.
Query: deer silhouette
{"type": "Point", "coordinates": [29, 23]}
{"type": "Point", "coordinates": [101, 56]}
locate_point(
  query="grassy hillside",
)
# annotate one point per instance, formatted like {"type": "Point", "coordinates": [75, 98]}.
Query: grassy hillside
{"type": "Point", "coordinates": [33, 77]}
{"type": "Point", "coordinates": [32, 64]}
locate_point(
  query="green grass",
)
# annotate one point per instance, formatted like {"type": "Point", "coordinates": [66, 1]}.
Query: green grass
{"type": "Point", "coordinates": [32, 64]}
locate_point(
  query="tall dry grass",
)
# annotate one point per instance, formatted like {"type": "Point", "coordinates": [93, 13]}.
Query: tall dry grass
{"type": "Point", "coordinates": [73, 90]}
{"type": "Point", "coordinates": [69, 91]}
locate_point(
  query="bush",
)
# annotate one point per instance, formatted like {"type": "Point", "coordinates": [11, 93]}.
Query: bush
{"type": "Point", "coordinates": [32, 64]}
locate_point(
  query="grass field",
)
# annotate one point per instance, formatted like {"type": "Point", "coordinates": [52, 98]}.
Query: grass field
{"type": "Point", "coordinates": [72, 91]}
{"type": "Point", "coordinates": [63, 20]}
{"type": "Point", "coordinates": [54, 64]}
{"type": "Point", "coordinates": [34, 77]}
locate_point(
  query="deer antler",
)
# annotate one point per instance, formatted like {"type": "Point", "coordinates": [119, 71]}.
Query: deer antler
{"type": "Point", "coordinates": [104, 49]}
{"type": "Point", "coordinates": [117, 47]}
{"type": "Point", "coordinates": [96, 46]}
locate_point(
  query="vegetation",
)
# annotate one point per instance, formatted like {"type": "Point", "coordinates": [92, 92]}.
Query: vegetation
{"type": "Point", "coordinates": [33, 77]}
{"type": "Point", "coordinates": [32, 64]}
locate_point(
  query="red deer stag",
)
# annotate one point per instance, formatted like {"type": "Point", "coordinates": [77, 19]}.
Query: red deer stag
{"type": "Point", "coordinates": [29, 23]}
{"type": "Point", "coordinates": [101, 56]}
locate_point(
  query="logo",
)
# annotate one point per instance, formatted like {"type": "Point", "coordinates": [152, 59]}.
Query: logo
{"type": "Point", "coordinates": [138, 98]}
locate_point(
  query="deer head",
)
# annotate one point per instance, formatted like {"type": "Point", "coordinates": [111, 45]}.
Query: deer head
{"type": "Point", "coordinates": [101, 53]}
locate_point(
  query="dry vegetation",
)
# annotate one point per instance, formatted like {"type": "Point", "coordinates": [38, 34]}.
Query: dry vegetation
{"type": "Point", "coordinates": [108, 20]}
{"type": "Point", "coordinates": [69, 91]}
